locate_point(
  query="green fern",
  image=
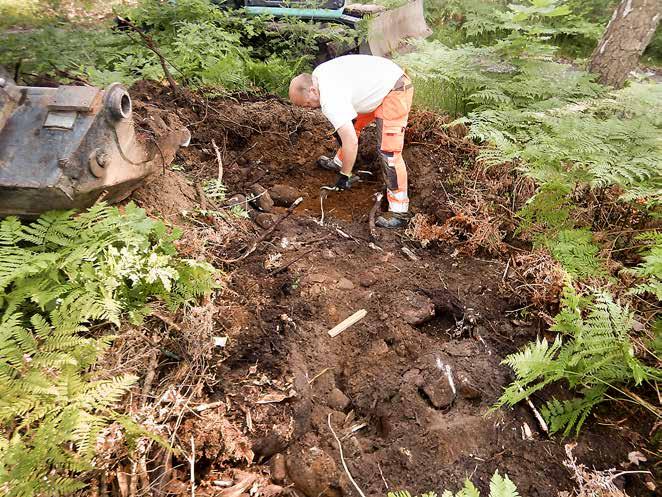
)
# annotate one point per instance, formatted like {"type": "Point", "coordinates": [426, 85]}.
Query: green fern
{"type": "Point", "coordinates": [57, 275]}
{"type": "Point", "coordinates": [590, 354]}
{"type": "Point", "coordinates": [650, 269]}
{"type": "Point", "coordinates": [500, 486]}
{"type": "Point", "coordinates": [577, 253]}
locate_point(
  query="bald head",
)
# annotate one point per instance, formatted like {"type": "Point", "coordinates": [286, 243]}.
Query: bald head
{"type": "Point", "coordinates": [303, 91]}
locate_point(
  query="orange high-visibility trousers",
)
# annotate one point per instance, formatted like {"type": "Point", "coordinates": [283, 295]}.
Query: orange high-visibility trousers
{"type": "Point", "coordinates": [391, 119]}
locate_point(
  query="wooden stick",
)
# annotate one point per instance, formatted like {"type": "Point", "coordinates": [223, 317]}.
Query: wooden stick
{"type": "Point", "coordinates": [536, 414]}
{"type": "Point", "coordinates": [283, 268]}
{"type": "Point", "coordinates": [342, 326]}
{"type": "Point", "coordinates": [192, 466]}
{"type": "Point", "coordinates": [219, 160]}
{"type": "Point", "coordinates": [310, 382]}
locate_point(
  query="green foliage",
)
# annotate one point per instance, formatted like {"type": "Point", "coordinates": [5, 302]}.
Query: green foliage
{"type": "Point", "coordinates": [95, 266]}
{"type": "Point", "coordinates": [563, 135]}
{"type": "Point", "coordinates": [575, 251]}
{"type": "Point", "coordinates": [58, 275]}
{"type": "Point", "coordinates": [650, 269]}
{"type": "Point", "coordinates": [592, 352]}
{"type": "Point", "coordinates": [500, 486]}
{"type": "Point", "coordinates": [204, 46]}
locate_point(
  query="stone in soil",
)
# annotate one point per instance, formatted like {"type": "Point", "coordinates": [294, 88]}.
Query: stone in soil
{"type": "Point", "coordinates": [261, 198]}
{"type": "Point", "coordinates": [338, 400]}
{"type": "Point", "coordinates": [236, 200]}
{"type": "Point", "coordinates": [367, 279]}
{"type": "Point", "coordinates": [267, 446]}
{"type": "Point", "coordinates": [284, 195]}
{"type": "Point", "coordinates": [313, 472]}
{"type": "Point", "coordinates": [439, 392]}
{"type": "Point", "coordinates": [345, 284]}
{"type": "Point", "coordinates": [278, 468]}
{"type": "Point", "coordinates": [467, 389]}
{"type": "Point", "coordinates": [415, 308]}
{"type": "Point", "coordinates": [265, 220]}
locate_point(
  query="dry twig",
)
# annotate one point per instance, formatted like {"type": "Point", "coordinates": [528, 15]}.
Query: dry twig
{"type": "Point", "coordinates": [342, 457]}
{"type": "Point", "coordinates": [267, 233]}
{"type": "Point", "coordinates": [219, 160]}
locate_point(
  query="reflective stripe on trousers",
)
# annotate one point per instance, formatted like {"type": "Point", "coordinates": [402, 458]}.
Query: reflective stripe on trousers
{"type": "Point", "coordinates": [391, 118]}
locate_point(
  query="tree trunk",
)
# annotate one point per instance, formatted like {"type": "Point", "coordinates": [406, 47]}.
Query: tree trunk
{"type": "Point", "coordinates": [628, 34]}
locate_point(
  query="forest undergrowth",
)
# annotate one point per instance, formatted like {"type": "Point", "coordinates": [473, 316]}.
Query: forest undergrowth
{"type": "Point", "coordinates": [567, 171]}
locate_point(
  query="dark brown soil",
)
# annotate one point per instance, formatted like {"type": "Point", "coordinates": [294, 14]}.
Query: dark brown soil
{"type": "Point", "coordinates": [383, 382]}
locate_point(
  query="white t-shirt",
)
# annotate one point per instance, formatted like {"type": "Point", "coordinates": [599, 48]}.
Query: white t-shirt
{"type": "Point", "coordinates": [354, 84]}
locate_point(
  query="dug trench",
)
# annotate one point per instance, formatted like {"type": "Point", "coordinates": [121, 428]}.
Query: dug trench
{"type": "Point", "coordinates": [407, 389]}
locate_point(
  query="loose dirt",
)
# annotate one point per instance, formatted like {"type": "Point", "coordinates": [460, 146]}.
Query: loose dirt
{"type": "Point", "coordinates": [410, 402]}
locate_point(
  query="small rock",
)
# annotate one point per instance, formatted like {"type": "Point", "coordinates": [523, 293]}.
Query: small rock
{"type": "Point", "coordinates": [345, 284]}
{"type": "Point", "coordinates": [278, 469]}
{"type": "Point", "coordinates": [367, 279]}
{"type": "Point", "coordinates": [415, 309]}
{"type": "Point", "coordinates": [313, 472]}
{"type": "Point", "coordinates": [307, 135]}
{"type": "Point", "coordinates": [328, 254]}
{"type": "Point", "coordinates": [261, 198]}
{"type": "Point", "coordinates": [413, 376]}
{"type": "Point", "coordinates": [242, 161]}
{"type": "Point", "coordinates": [267, 446]}
{"type": "Point", "coordinates": [379, 347]}
{"type": "Point", "coordinates": [439, 393]}
{"type": "Point", "coordinates": [317, 278]}
{"type": "Point", "coordinates": [283, 195]}
{"type": "Point", "coordinates": [338, 400]}
{"type": "Point", "coordinates": [236, 200]}
{"type": "Point", "coordinates": [265, 220]}
{"type": "Point", "coordinates": [467, 389]}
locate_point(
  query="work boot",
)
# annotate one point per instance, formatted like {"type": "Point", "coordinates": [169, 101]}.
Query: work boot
{"type": "Point", "coordinates": [393, 220]}
{"type": "Point", "coordinates": [329, 164]}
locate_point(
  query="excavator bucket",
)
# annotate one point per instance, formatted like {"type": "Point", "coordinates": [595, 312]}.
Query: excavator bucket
{"type": "Point", "coordinates": [391, 31]}
{"type": "Point", "coordinates": [71, 146]}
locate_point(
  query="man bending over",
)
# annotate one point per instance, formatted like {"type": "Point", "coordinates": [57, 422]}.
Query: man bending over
{"type": "Point", "coordinates": [353, 91]}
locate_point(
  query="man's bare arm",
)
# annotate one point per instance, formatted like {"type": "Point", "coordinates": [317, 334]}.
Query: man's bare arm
{"type": "Point", "coordinates": [350, 146]}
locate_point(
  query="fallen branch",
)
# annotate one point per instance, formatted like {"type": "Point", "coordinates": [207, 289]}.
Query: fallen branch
{"type": "Point", "coordinates": [211, 405]}
{"type": "Point", "coordinates": [342, 457]}
{"type": "Point", "coordinates": [342, 326]}
{"type": "Point", "coordinates": [371, 218]}
{"type": "Point", "coordinates": [149, 43]}
{"type": "Point", "coordinates": [151, 374]}
{"type": "Point", "coordinates": [283, 268]}
{"type": "Point", "coordinates": [266, 234]}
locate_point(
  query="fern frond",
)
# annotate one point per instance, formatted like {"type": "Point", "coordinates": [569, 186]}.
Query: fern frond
{"type": "Point", "coordinates": [501, 486]}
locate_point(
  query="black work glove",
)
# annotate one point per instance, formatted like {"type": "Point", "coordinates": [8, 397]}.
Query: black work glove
{"type": "Point", "coordinates": [344, 181]}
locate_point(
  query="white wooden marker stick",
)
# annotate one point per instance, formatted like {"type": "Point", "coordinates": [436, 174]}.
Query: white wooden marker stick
{"type": "Point", "coordinates": [354, 318]}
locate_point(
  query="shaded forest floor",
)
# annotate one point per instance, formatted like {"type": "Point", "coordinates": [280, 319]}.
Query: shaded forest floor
{"type": "Point", "coordinates": [408, 388]}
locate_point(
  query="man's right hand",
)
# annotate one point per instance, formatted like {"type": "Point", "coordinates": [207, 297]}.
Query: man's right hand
{"type": "Point", "coordinates": [345, 181]}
